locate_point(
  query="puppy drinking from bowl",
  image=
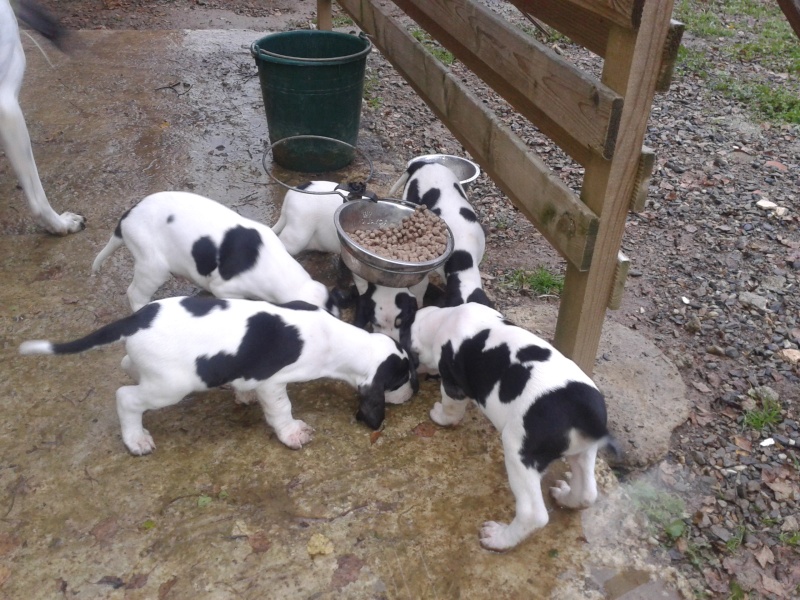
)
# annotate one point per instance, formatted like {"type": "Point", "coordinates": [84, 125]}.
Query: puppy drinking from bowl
{"type": "Point", "coordinates": [179, 233]}
{"type": "Point", "coordinates": [544, 406]}
{"type": "Point", "coordinates": [181, 345]}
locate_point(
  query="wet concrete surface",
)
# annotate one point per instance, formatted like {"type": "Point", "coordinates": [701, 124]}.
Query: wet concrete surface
{"type": "Point", "coordinates": [222, 509]}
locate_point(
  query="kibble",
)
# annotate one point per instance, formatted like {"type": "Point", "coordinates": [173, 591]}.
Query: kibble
{"type": "Point", "coordinates": [420, 237]}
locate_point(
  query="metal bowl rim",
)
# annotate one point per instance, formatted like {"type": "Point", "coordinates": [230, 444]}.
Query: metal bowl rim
{"type": "Point", "coordinates": [398, 267]}
{"type": "Point", "coordinates": [459, 158]}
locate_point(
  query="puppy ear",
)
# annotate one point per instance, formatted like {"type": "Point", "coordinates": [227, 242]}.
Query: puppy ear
{"type": "Point", "coordinates": [372, 406]}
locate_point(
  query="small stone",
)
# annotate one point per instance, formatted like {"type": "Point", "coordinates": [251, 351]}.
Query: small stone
{"type": "Point", "coordinates": [790, 355]}
{"type": "Point", "coordinates": [731, 352]}
{"type": "Point", "coordinates": [749, 299]}
{"type": "Point", "coordinates": [720, 532]}
{"type": "Point", "coordinates": [766, 204]}
{"type": "Point", "coordinates": [781, 211]}
{"type": "Point", "coordinates": [790, 524]}
{"type": "Point", "coordinates": [319, 545]}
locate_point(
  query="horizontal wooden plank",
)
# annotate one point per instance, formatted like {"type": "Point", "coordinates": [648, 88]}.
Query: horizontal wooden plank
{"type": "Point", "coordinates": [542, 197]}
{"type": "Point", "coordinates": [582, 26]}
{"type": "Point", "coordinates": [572, 108]}
{"type": "Point", "coordinates": [625, 13]}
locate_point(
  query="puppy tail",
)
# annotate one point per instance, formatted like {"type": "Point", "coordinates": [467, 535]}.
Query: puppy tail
{"type": "Point", "coordinates": [114, 243]}
{"type": "Point", "coordinates": [398, 184]}
{"type": "Point", "coordinates": [36, 347]}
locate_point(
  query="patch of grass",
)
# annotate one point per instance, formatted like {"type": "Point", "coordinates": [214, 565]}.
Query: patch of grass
{"type": "Point", "coordinates": [540, 282]}
{"type": "Point", "coordinates": [342, 21]}
{"type": "Point", "coordinates": [736, 539]}
{"type": "Point", "coordinates": [441, 54]}
{"type": "Point", "coordinates": [792, 539]}
{"type": "Point", "coordinates": [665, 511]}
{"type": "Point", "coordinates": [737, 593]}
{"type": "Point", "coordinates": [769, 43]}
{"type": "Point", "coordinates": [370, 85]}
{"type": "Point", "coordinates": [767, 415]}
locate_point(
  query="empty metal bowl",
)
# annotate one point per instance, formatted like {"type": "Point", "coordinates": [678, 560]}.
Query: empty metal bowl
{"type": "Point", "coordinates": [466, 170]}
{"type": "Point", "coordinates": [367, 214]}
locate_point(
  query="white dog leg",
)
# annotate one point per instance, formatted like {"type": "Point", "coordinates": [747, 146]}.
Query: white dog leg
{"type": "Point", "coordinates": [17, 144]}
{"type": "Point", "coordinates": [278, 411]}
{"type": "Point", "coordinates": [128, 366]}
{"type": "Point", "coordinates": [448, 411]}
{"type": "Point", "coordinates": [531, 512]}
{"type": "Point", "coordinates": [130, 408]}
{"type": "Point", "coordinates": [145, 283]}
{"type": "Point", "coordinates": [581, 492]}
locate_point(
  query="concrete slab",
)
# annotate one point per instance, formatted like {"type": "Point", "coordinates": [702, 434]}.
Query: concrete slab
{"type": "Point", "coordinates": [222, 509]}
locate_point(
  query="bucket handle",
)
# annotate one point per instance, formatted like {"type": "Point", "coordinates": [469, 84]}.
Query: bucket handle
{"type": "Point", "coordinates": [258, 52]}
{"type": "Point", "coordinates": [352, 191]}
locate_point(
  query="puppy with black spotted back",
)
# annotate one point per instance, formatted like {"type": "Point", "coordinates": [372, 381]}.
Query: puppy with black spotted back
{"type": "Point", "coordinates": [184, 234]}
{"type": "Point", "coordinates": [437, 187]}
{"type": "Point", "coordinates": [182, 345]}
{"type": "Point", "coordinates": [543, 404]}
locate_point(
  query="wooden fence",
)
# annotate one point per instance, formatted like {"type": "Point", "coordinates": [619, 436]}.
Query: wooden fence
{"type": "Point", "coordinates": [599, 123]}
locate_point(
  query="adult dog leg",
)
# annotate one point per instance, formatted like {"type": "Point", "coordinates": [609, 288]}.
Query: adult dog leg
{"type": "Point", "coordinates": [17, 144]}
{"type": "Point", "coordinates": [278, 411]}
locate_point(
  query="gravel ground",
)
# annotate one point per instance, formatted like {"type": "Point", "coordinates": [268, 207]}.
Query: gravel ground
{"type": "Point", "coordinates": [714, 282]}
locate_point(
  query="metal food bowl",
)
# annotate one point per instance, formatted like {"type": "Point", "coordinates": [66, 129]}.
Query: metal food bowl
{"type": "Point", "coordinates": [367, 214]}
{"type": "Point", "coordinates": [466, 170]}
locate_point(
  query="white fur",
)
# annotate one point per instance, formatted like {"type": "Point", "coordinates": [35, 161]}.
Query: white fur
{"type": "Point", "coordinates": [435, 327]}
{"type": "Point", "coordinates": [14, 135]}
{"type": "Point", "coordinates": [163, 359]}
{"type": "Point", "coordinates": [161, 248]}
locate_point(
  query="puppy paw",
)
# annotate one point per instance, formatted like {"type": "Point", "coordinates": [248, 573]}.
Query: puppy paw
{"type": "Point", "coordinates": [440, 417]}
{"type": "Point", "coordinates": [562, 492]}
{"type": "Point", "coordinates": [140, 444]}
{"type": "Point", "coordinates": [67, 223]}
{"type": "Point", "coordinates": [296, 434]}
{"type": "Point", "coordinates": [493, 536]}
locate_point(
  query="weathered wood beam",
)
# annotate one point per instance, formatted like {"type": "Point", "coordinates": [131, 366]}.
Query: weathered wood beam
{"type": "Point", "coordinates": [674, 36]}
{"type": "Point", "coordinates": [324, 15]}
{"type": "Point", "coordinates": [586, 295]}
{"type": "Point", "coordinates": [541, 196]}
{"type": "Point", "coordinates": [572, 108]}
{"type": "Point", "coordinates": [791, 8]}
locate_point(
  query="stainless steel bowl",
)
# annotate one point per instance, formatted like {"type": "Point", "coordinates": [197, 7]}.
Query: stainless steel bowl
{"type": "Point", "coordinates": [466, 170]}
{"type": "Point", "coordinates": [366, 214]}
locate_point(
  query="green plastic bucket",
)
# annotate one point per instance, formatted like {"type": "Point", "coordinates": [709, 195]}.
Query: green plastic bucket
{"type": "Point", "coordinates": [312, 83]}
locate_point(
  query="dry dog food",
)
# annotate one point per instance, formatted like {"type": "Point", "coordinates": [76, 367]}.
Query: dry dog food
{"type": "Point", "coordinates": [420, 237]}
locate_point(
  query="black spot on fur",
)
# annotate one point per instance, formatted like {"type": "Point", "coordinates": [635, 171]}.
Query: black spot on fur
{"type": "Point", "coordinates": [299, 305]}
{"type": "Point", "coordinates": [479, 297]}
{"type": "Point", "coordinates": [141, 319]}
{"type": "Point", "coordinates": [268, 345]}
{"type": "Point", "coordinates": [430, 198]}
{"type": "Point", "coordinates": [416, 166]}
{"type": "Point", "coordinates": [118, 228]}
{"type": "Point", "coordinates": [549, 420]}
{"type": "Point", "coordinates": [533, 353]}
{"type": "Point", "coordinates": [200, 306]}
{"type": "Point", "coordinates": [170, 218]}
{"type": "Point", "coordinates": [304, 186]}
{"type": "Point", "coordinates": [460, 191]}
{"type": "Point", "coordinates": [513, 382]}
{"type": "Point", "coordinates": [204, 253]}
{"type": "Point", "coordinates": [452, 292]}
{"type": "Point", "coordinates": [460, 260]}
{"type": "Point", "coordinates": [365, 308]}
{"type": "Point", "coordinates": [468, 214]}
{"type": "Point", "coordinates": [239, 251]}
{"type": "Point", "coordinates": [472, 369]}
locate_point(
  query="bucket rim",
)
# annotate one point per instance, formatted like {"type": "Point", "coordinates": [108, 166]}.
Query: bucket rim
{"type": "Point", "coordinates": [258, 52]}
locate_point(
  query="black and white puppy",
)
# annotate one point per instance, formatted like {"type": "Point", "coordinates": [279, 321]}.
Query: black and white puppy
{"type": "Point", "coordinates": [14, 136]}
{"type": "Point", "coordinates": [181, 345]}
{"type": "Point", "coordinates": [179, 233]}
{"type": "Point", "coordinates": [306, 222]}
{"type": "Point", "coordinates": [438, 188]}
{"type": "Point", "coordinates": [543, 404]}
